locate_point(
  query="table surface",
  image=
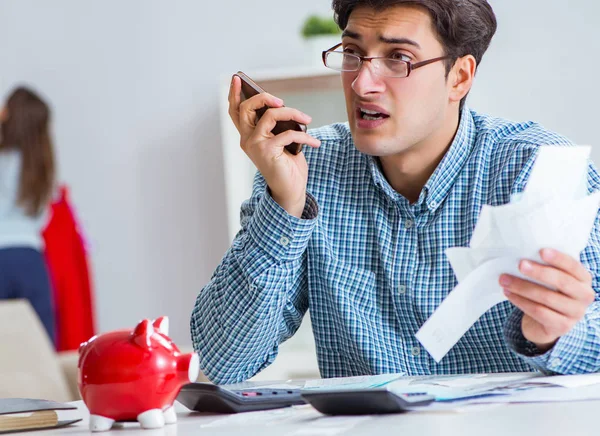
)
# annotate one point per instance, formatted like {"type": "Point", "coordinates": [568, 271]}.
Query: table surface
{"type": "Point", "coordinates": [548, 419]}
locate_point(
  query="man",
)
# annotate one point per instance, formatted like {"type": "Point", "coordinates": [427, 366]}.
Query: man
{"type": "Point", "coordinates": [355, 228]}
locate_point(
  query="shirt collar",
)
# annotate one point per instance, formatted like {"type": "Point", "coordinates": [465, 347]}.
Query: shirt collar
{"type": "Point", "coordinates": [441, 181]}
{"type": "Point", "coordinates": [380, 180]}
{"type": "Point", "coordinates": [438, 186]}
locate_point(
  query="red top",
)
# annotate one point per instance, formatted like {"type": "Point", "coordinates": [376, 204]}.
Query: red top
{"type": "Point", "coordinates": [70, 275]}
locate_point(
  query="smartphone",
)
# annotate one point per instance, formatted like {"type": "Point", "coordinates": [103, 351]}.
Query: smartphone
{"type": "Point", "coordinates": [250, 89]}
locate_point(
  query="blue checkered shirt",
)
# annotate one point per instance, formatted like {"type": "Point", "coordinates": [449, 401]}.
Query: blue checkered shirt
{"type": "Point", "coordinates": [371, 266]}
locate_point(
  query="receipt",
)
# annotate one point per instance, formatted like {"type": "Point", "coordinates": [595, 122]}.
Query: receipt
{"type": "Point", "coordinates": [474, 296]}
{"type": "Point", "coordinates": [553, 212]}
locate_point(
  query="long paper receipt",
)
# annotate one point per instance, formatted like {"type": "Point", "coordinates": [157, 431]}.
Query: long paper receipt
{"type": "Point", "coordinates": [554, 211]}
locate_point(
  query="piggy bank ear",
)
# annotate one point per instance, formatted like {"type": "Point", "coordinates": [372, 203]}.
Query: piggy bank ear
{"type": "Point", "coordinates": [162, 325]}
{"type": "Point", "coordinates": [82, 347]}
{"type": "Point", "coordinates": [142, 334]}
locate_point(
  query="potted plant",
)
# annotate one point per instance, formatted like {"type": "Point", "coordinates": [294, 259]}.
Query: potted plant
{"type": "Point", "coordinates": [320, 33]}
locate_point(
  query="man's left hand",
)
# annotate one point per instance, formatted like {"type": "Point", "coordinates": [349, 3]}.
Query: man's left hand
{"type": "Point", "coordinates": [548, 313]}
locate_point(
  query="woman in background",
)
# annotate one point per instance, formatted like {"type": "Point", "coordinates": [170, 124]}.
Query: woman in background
{"type": "Point", "coordinates": [26, 184]}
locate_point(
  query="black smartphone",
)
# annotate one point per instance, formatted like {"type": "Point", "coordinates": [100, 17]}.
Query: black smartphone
{"type": "Point", "coordinates": [249, 89]}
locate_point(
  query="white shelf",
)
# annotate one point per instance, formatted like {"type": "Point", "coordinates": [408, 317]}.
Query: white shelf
{"type": "Point", "coordinates": [289, 74]}
{"type": "Point", "coordinates": [291, 364]}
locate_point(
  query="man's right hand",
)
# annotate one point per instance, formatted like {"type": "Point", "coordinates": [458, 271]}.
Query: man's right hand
{"type": "Point", "coordinates": [286, 174]}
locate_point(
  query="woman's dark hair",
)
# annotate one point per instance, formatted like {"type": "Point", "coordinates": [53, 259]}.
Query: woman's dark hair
{"type": "Point", "coordinates": [463, 27]}
{"type": "Point", "coordinates": [26, 129]}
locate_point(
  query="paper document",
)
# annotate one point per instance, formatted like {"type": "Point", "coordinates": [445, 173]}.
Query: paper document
{"type": "Point", "coordinates": [567, 381]}
{"type": "Point", "coordinates": [532, 395]}
{"type": "Point", "coordinates": [455, 392]}
{"type": "Point", "coordinates": [360, 382]}
{"type": "Point", "coordinates": [457, 387]}
{"type": "Point", "coordinates": [554, 211]}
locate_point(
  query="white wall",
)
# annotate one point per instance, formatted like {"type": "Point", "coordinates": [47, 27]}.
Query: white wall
{"type": "Point", "coordinates": [134, 90]}
{"type": "Point", "coordinates": [543, 65]}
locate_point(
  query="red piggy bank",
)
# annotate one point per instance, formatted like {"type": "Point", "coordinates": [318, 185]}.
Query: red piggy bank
{"type": "Point", "coordinates": [129, 375]}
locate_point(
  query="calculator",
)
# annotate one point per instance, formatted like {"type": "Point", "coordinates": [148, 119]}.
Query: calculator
{"type": "Point", "coordinates": [365, 401]}
{"type": "Point", "coordinates": [206, 397]}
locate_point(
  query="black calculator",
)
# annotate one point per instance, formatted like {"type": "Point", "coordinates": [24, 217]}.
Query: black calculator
{"type": "Point", "coordinates": [206, 397]}
{"type": "Point", "coordinates": [365, 401]}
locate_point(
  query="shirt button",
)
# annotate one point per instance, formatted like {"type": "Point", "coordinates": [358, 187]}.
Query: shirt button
{"type": "Point", "coordinates": [409, 223]}
{"type": "Point", "coordinates": [433, 204]}
{"type": "Point", "coordinates": [402, 290]}
{"type": "Point", "coordinates": [415, 351]}
{"type": "Point", "coordinates": [284, 241]}
{"type": "Point", "coordinates": [555, 362]}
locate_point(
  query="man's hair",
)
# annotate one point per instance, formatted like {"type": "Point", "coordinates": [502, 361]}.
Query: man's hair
{"type": "Point", "coordinates": [463, 27]}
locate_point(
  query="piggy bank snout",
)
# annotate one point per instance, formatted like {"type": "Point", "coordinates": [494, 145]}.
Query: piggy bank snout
{"type": "Point", "coordinates": [188, 366]}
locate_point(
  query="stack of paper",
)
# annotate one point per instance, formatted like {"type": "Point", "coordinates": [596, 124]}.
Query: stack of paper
{"type": "Point", "coordinates": [554, 211]}
{"type": "Point", "coordinates": [537, 389]}
{"type": "Point", "coordinates": [453, 392]}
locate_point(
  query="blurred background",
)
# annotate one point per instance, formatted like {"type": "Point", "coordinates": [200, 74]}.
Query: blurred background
{"type": "Point", "coordinates": [137, 93]}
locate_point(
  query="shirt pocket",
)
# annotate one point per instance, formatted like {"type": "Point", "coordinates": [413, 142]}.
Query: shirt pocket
{"type": "Point", "coordinates": [352, 288]}
{"type": "Point", "coordinates": [347, 305]}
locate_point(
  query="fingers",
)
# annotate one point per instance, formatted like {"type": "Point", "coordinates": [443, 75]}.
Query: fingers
{"type": "Point", "coordinates": [558, 279]}
{"type": "Point", "coordinates": [234, 98]}
{"type": "Point", "coordinates": [567, 264]}
{"type": "Point", "coordinates": [557, 296]}
{"type": "Point", "coordinates": [535, 294]}
{"type": "Point", "coordinates": [286, 138]}
{"type": "Point", "coordinates": [253, 131]}
{"type": "Point", "coordinates": [553, 322]}
{"type": "Point", "coordinates": [243, 113]}
{"type": "Point", "coordinates": [271, 116]}
{"type": "Point", "coordinates": [248, 110]}
{"type": "Point", "coordinates": [259, 101]}
{"type": "Point", "coordinates": [290, 136]}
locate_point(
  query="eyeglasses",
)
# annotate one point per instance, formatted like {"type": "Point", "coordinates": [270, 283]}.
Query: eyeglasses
{"type": "Point", "coordinates": [383, 66]}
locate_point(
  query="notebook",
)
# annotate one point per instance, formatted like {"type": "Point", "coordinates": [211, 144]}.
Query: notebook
{"type": "Point", "coordinates": [18, 414]}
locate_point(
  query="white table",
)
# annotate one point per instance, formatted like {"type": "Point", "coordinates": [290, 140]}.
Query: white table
{"type": "Point", "coordinates": [548, 419]}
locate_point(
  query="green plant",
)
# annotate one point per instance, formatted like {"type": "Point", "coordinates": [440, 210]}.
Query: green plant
{"type": "Point", "coordinates": [315, 25]}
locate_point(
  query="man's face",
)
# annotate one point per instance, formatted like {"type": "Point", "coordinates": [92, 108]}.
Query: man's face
{"type": "Point", "coordinates": [414, 107]}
